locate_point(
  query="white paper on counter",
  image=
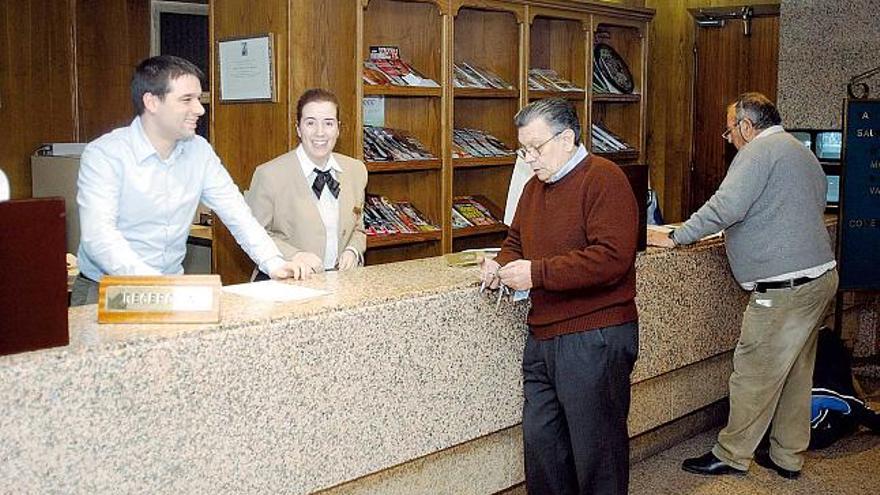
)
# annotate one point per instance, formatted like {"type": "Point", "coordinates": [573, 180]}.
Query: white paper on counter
{"type": "Point", "coordinates": [271, 290]}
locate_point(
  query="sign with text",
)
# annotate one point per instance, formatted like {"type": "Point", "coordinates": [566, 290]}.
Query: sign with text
{"type": "Point", "coordinates": [166, 299]}
{"type": "Point", "coordinates": [859, 227]}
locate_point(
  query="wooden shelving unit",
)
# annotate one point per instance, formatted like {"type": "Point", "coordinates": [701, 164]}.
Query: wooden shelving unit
{"type": "Point", "coordinates": [382, 241]}
{"type": "Point", "coordinates": [418, 111]}
{"type": "Point", "coordinates": [567, 95]}
{"type": "Point", "coordinates": [616, 98]}
{"type": "Point", "coordinates": [500, 161]}
{"type": "Point", "coordinates": [404, 166]}
{"type": "Point", "coordinates": [508, 38]}
{"type": "Point", "coordinates": [374, 90]}
{"type": "Point", "coordinates": [485, 93]}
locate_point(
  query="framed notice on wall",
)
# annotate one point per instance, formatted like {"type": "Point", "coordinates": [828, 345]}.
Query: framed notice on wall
{"type": "Point", "coordinates": [247, 69]}
{"type": "Point", "coordinates": [858, 242]}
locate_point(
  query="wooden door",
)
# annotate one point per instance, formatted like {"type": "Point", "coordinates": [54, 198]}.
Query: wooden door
{"type": "Point", "coordinates": [728, 63]}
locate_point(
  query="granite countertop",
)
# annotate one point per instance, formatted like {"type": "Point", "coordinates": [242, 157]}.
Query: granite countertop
{"type": "Point", "coordinates": [371, 285]}
{"type": "Point", "coordinates": [367, 286]}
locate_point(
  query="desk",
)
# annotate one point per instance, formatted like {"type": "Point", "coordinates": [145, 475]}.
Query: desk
{"type": "Point", "coordinates": [402, 371]}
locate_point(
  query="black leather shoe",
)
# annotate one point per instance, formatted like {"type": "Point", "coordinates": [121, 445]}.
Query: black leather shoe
{"type": "Point", "coordinates": [710, 465]}
{"type": "Point", "coordinates": [762, 457]}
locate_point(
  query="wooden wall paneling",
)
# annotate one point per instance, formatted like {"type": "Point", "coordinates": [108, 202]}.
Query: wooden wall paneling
{"type": "Point", "coordinates": [112, 38]}
{"type": "Point", "coordinates": [37, 83]}
{"type": "Point", "coordinates": [245, 135]}
{"type": "Point", "coordinates": [321, 57]}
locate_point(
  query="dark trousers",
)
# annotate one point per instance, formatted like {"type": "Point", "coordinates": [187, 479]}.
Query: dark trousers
{"type": "Point", "coordinates": [577, 393]}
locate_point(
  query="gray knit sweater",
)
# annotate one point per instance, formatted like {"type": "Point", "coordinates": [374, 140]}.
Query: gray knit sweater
{"type": "Point", "coordinates": [771, 203]}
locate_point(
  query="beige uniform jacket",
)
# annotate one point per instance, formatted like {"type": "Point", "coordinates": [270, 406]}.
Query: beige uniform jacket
{"type": "Point", "coordinates": [284, 204]}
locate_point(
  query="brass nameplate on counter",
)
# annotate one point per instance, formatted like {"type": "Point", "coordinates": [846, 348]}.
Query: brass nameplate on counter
{"type": "Point", "coordinates": [165, 299]}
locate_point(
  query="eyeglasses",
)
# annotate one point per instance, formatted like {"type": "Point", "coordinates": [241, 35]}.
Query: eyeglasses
{"type": "Point", "coordinates": [727, 132]}
{"type": "Point", "coordinates": [524, 152]}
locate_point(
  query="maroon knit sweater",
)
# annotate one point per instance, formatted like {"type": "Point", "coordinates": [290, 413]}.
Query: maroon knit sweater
{"type": "Point", "coordinates": [580, 235]}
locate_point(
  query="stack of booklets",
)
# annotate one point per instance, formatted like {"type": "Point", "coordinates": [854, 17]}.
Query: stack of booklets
{"type": "Point", "coordinates": [383, 144]}
{"type": "Point", "coordinates": [467, 75]}
{"type": "Point", "coordinates": [385, 217]}
{"type": "Point", "coordinates": [550, 80]}
{"type": "Point", "coordinates": [469, 143]}
{"type": "Point", "coordinates": [385, 67]}
{"type": "Point", "coordinates": [468, 212]}
{"type": "Point", "coordinates": [604, 141]}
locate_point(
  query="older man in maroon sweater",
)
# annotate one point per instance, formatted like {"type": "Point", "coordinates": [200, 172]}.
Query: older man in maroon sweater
{"type": "Point", "coordinates": [573, 245]}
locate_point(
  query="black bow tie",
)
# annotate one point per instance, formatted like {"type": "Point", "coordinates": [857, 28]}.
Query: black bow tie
{"type": "Point", "coordinates": [325, 179]}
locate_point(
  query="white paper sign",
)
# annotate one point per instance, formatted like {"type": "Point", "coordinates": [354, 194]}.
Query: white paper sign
{"type": "Point", "coordinates": [271, 290]}
{"type": "Point", "coordinates": [374, 111]}
{"type": "Point", "coordinates": [246, 69]}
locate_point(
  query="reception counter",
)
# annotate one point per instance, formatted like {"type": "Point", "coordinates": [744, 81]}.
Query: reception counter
{"type": "Point", "coordinates": [402, 380]}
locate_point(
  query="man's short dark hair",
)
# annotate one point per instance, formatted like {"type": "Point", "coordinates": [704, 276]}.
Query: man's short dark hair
{"type": "Point", "coordinates": [558, 113]}
{"type": "Point", "coordinates": [154, 76]}
{"type": "Point", "coordinates": [758, 109]}
{"type": "Point", "coordinates": [315, 95]}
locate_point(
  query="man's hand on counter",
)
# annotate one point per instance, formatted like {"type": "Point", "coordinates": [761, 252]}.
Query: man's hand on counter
{"type": "Point", "coordinates": [659, 238]}
{"type": "Point", "coordinates": [348, 260]}
{"type": "Point", "coordinates": [300, 267]}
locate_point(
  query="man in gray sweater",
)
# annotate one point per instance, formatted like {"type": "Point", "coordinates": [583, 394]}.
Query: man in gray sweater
{"type": "Point", "coordinates": [770, 206]}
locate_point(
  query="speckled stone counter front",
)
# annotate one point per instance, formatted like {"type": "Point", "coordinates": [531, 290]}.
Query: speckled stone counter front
{"type": "Point", "coordinates": [401, 361]}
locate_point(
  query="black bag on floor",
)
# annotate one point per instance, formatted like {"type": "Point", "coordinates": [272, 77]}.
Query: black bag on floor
{"type": "Point", "coordinates": [836, 412]}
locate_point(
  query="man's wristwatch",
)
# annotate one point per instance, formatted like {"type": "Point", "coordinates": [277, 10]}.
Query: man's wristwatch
{"type": "Point", "coordinates": [671, 236]}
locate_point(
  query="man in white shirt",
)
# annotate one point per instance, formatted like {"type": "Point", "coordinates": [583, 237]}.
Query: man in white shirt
{"type": "Point", "coordinates": [139, 186]}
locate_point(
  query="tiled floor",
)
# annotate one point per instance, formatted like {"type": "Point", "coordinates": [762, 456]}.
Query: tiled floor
{"type": "Point", "coordinates": [849, 467]}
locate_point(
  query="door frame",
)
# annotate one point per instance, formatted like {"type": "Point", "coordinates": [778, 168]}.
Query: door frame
{"type": "Point", "coordinates": [709, 17]}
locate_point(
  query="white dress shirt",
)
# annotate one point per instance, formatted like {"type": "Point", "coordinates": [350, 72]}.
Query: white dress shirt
{"type": "Point", "coordinates": [136, 209]}
{"type": "Point", "coordinates": [328, 205]}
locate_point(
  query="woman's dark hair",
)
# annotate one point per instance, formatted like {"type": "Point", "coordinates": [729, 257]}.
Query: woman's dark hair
{"type": "Point", "coordinates": [315, 95]}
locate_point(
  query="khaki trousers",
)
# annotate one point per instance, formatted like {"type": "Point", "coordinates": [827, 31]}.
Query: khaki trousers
{"type": "Point", "coordinates": [773, 374]}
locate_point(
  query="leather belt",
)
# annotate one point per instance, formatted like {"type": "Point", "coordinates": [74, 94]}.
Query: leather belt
{"type": "Point", "coordinates": [782, 284]}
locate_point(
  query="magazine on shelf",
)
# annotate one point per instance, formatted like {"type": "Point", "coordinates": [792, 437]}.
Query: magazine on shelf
{"type": "Point", "coordinates": [471, 209]}
{"type": "Point", "coordinates": [604, 141]}
{"type": "Point", "coordinates": [385, 61]}
{"type": "Point", "coordinates": [459, 221]}
{"type": "Point", "coordinates": [550, 80]}
{"type": "Point", "coordinates": [384, 217]}
{"type": "Point", "coordinates": [386, 144]}
{"type": "Point", "coordinates": [477, 143]}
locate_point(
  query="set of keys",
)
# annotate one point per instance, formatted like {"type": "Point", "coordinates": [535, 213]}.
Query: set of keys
{"type": "Point", "coordinates": [503, 290]}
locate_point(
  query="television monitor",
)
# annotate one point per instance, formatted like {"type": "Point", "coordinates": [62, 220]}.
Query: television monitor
{"type": "Point", "coordinates": [832, 197]}
{"type": "Point", "coordinates": [804, 137]}
{"type": "Point", "coordinates": [828, 145]}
